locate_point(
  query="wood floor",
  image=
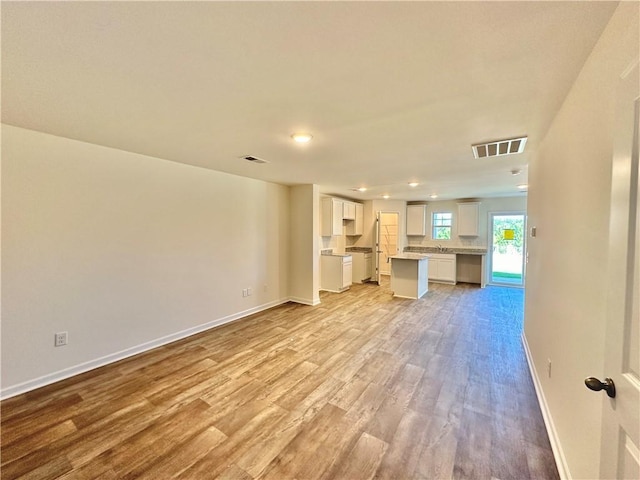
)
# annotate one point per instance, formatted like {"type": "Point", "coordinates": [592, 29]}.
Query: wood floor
{"type": "Point", "coordinates": [362, 386]}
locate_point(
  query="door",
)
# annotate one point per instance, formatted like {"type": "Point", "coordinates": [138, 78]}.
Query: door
{"type": "Point", "coordinates": [506, 252]}
{"type": "Point", "coordinates": [621, 415]}
{"type": "Point", "coordinates": [387, 240]}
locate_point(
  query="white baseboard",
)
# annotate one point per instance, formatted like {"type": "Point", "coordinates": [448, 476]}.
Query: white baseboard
{"type": "Point", "coordinates": [558, 453]}
{"type": "Point", "coordinates": [50, 378]}
{"type": "Point", "coordinates": [305, 301]}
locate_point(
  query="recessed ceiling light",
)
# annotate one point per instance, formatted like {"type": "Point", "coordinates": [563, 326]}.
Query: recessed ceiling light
{"type": "Point", "coordinates": [385, 196]}
{"type": "Point", "coordinates": [523, 186]}
{"type": "Point", "coordinates": [433, 195]}
{"type": "Point", "coordinates": [302, 137]}
{"type": "Point", "coordinates": [413, 184]}
{"type": "Point", "coordinates": [362, 189]}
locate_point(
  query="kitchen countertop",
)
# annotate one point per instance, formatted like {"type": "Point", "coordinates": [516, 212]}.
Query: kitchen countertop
{"type": "Point", "coordinates": [329, 253]}
{"type": "Point", "coordinates": [454, 250]}
{"type": "Point", "coordinates": [359, 249]}
{"type": "Point", "coordinates": [409, 256]}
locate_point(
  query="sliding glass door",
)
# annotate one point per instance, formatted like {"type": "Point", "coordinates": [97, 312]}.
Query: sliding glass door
{"type": "Point", "coordinates": [506, 255]}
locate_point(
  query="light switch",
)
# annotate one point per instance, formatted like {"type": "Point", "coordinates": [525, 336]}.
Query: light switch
{"type": "Point", "coordinates": [533, 231]}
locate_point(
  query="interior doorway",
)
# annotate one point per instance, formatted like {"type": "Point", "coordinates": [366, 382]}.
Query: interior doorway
{"type": "Point", "coordinates": [507, 247]}
{"type": "Point", "coordinates": [386, 241]}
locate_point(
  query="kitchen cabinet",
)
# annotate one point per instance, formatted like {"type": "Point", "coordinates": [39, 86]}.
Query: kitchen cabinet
{"type": "Point", "coordinates": [361, 267]}
{"type": "Point", "coordinates": [442, 267]}
{"type": "Point", "coordinates": [331, 217]}
{"type": "Point", "coordinates": [417, 220]}
{"type": "Point", "coordinates": [348, 210]}
{"type": "Point", "coordinates": [336, 272]}
{"type": "Point", "coordinates": [356, 227]}
{"type": "Point", "coordinates": [409, 275]}
{"type": "Point", "coordinates": [468, 219]}
{"type": "Point", "coordinates": [347, 274]}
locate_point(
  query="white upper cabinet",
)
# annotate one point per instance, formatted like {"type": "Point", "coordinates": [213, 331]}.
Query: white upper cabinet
{"type": "Point", "coordinates": [357, 226]}
{"type": "Point", "coordinates": [468, 219]}
{"type": "Point", "coordinates": [349, 211]}
{"type": "Point", "coordinates": [417, 220]}
{"type": "Point", "coordinates": [331, 221]}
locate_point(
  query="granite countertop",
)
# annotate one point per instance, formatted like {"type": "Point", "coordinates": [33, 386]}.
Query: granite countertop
{"type": "Point", "coordinates": [456, 250]}
{"type": "Point", "coordinates": [409, 256]}
{"type": "Point", "coordinates": [359, 249]}
{"type": "Point", "coordinates": [328, 252]}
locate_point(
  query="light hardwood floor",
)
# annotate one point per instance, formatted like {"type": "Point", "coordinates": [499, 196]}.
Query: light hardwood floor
{"type": "Point", "coordinates": [361, 386]}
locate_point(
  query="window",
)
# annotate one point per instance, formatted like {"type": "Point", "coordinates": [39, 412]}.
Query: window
{"type": "Point", "coordinates": [441, 225]}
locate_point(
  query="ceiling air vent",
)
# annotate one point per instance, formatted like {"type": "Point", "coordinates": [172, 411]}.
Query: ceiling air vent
{"type": "Point", "coordinates": [253, 159]}
{"type": "Point", "coordinates": [499, 147]}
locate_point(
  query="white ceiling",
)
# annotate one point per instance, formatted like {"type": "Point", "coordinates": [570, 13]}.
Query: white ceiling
{"type": "Point", "coordinates": [392, 92]}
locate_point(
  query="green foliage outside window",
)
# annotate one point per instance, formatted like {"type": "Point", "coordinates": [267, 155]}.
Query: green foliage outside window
{"type": "Point", "coordinates": [502, 223]}
{"type": "Point", "coordinates": [441, 223]}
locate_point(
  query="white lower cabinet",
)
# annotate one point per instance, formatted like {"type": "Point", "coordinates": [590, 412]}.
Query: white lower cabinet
{"type": "Point", "coordinates": [361, 266]}
{"type": "Point", "coordinates": [347, 274]}
{"type": "Point", "coordinates": [442, 267]}
{"type": "Point", "coordinates": [335, 272]}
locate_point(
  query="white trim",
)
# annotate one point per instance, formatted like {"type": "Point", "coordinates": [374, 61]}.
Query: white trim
{"type": "Point", "coordinates": [558, 453]}
{"type": "Point", "coordinates": [50, 378]}
{"type": "Point", "coordinates": [305, 301]}
{"type": "Point", "coordinates": [525, 246]}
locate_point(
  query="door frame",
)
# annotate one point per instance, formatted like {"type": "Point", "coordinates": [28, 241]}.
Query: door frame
{"type": "Point", "coordinates": [488, 273]}
{"type": "Point", "coordinates": [620, 436]}
{"type": "Point", "coordinates": [378, 250]}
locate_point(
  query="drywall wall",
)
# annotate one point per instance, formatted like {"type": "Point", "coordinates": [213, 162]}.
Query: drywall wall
{"type": "Point", "coordinates": [123, 251]}
{"type": "Point", "coordinates": [304, 270]}
{"type": "Point", "coordinates": [569, 191]}
{"type": "Point", "coordinates": [371, 209]}
{"type": "Point", "coordinates": [487, 206]}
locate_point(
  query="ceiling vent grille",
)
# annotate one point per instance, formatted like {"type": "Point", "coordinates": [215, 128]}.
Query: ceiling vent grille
{"type": "Point", "coordinates": [252, 159]}
{"type": "Point", "coordinates": [498, 148]}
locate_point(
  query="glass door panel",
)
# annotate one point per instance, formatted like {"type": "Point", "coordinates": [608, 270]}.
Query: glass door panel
{"type": "Point", "coordinates": [507, 249]}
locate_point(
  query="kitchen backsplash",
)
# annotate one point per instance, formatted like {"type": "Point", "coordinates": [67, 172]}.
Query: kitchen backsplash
{"type": "Point", "coordinates": [336, 243]}
{"type": "Point", "coordinates": [454, 242]}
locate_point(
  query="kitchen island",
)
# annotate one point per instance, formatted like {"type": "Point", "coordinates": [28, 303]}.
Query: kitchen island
{"type": "Point", "coordinates": [470, 262]}
{"type": "Point", "coordinates": [409, 275]}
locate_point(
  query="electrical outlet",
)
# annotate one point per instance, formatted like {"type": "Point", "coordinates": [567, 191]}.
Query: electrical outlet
{"type": "Point", "coordinates": [549, 367]}
{"type": "Point", "coordinates": [60, 339]}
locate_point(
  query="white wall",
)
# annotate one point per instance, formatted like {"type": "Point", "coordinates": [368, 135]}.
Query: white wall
{"type": "Point", "coordinates": [371, 208]}
{"type": "Point", "coordinates": [569, 190]}
{"type": "Point", "coordinates": [125, 251]}
{"type": "Point", "coordinates": [304, 270]}
{"type": "Point", "coordinates": [487, 206]}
